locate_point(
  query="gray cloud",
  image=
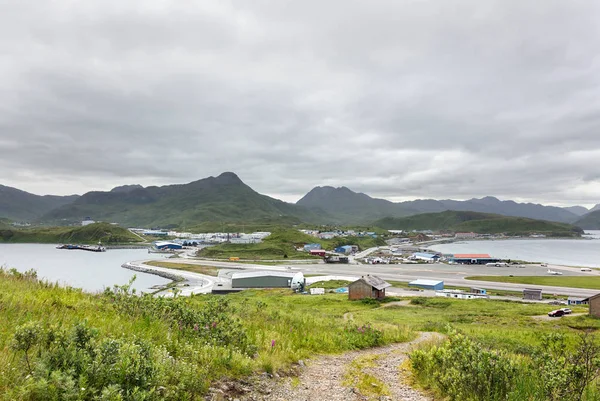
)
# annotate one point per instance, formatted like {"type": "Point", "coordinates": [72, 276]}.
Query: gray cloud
{"type": "Point", "coordinates": [399, 99]}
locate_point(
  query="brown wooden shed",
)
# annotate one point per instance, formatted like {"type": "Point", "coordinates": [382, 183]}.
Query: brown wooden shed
{"type": "Point", "coordinates": [594, 302]}
{"type": "Point", "coordinates": [368, 287]}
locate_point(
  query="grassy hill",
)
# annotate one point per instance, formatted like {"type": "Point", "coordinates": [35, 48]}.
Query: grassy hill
{"type": "Point", "coordinates": [19, 205]}
{"type": "Point", "coordinates": [60, 343]}
{"type": "Point", "coordinates": [590, 221]}
{"type": "Point", "coordinates": [215, 199]}
{"type": "Point", "coordinates": [90, 234]}
{"type": "Point", "coordinates": [483, 223]}
{"type": "Point", "coordinates": [282, 244]}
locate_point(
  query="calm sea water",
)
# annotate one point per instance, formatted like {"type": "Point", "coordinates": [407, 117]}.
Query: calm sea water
{"type": "Point", "coordinates": [90, 271]}
{"type": "Point", "coordinates": [569, 252]}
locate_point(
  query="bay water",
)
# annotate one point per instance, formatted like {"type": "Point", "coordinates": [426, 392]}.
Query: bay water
{"type": "Point", "coordinates": [568, 252]}
{"type": "Point", "coordinates": [90, 271]}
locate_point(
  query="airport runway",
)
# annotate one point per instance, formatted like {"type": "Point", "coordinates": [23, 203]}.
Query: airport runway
{"type": "Point", "coordinates": [451, 274]}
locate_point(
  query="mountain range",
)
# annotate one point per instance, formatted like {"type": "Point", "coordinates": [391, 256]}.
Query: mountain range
{"type": "Point", "coordinates": [226, 198]}
{"type": "Point", "coordinates": [358, 207]}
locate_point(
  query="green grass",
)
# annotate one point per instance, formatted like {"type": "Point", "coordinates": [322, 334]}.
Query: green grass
{"type": "Point", "coordinates": [282, 244]}
{"type": "Point", "coordinates": [591, 282]}
{"type": "Point", "coordinates": [500, 293]}
{"type": "Point", "coordinates": [90, 234]}
{"type": "Point", "coordinates": [283, 326]}
{"type": "Point", "coordinates": [368, 385]}
{"type": "Point", "coordinates": [330, 284]}
{"type": "Point", "coordinates": [208, 270]}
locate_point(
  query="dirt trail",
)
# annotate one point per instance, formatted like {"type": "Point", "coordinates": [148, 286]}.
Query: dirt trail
{"type": "Point", "coordinates": [326, 378]}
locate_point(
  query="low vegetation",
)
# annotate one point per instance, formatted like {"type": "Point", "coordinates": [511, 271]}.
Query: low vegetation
{"type": "Point", "coordinates": [591, 282]}
{"type": "Point", "coordinates": [208, 270]}
{"type": "Point", "coordinates": [463, 369]}
{"type": "Point", "coordinates": [283, 244]}
{"type": "Point", "coordinates": [330, 284]}
{"type": "Point", "coordinates": [60, 343]}
{"type": "Point", "coordinates": [483, 223]}
{"type": "Point", "coordinates": [90, 234]}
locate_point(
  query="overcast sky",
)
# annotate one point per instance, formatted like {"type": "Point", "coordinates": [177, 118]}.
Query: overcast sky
{"type": "Point", "coordinates": [397, 99]}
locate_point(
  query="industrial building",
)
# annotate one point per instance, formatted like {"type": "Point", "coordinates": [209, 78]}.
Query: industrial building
{"type": "Point", "coordinates": [336, 259]}
{"type": "Point", "coordinates": [167, 245]}
{"type": "Point", "coordinates": [346, 249]}
{"type": "Point", "coordinates": [472, 258]}
{"type": "Point", "coordinates": [427, 257]}
{"type": "Point", "coordinates": [318, 252]}
{"type": "Point", "coordinates": [436, 285]}
{"type": "Point", "coordinates": [368, 287]}
{"type": "Point", "coordinates": [267, 279]}
{"type": "Point", "coordinates": [532, 294]}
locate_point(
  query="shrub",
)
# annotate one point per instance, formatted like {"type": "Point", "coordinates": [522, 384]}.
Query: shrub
{"type": "Point", "coordinates": [462, 370]}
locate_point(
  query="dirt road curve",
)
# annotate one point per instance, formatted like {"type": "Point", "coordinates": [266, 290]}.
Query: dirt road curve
{"type": "Point", "coordinates": [327, 378]}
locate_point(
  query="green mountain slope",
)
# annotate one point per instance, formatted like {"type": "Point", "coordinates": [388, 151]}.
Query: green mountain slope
{"type": "Point", "coordinates": [590, 221]}
{"type": "Point", "coordinates": [19, 205]}
{"type": "Point", "coordinates": [351, 207]}
{"type": "Point", "coordinates": [215, 199]}
{"type": "Point", "coordinates": [483, 223]}
{"type": "Point", "coordinates": [90, 234]}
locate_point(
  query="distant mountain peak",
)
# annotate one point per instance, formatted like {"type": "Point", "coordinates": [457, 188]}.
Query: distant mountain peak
{"type": "Point", "coordinates": [126, 188]}
{"type": "Point", "coordinates": [228, 178]}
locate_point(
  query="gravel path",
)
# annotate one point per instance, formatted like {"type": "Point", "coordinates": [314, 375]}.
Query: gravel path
{"type": "Point", "coordinates": [324, 378]}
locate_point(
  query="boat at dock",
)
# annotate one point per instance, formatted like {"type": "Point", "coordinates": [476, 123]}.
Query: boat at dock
{"type": "Point", "coordinates": [90, 248]}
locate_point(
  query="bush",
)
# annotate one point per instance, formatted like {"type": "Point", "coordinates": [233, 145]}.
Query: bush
{"type": "Point", "coordinates": [462, 370]}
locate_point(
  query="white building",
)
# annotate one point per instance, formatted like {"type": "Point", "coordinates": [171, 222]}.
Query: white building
{"type": "Point", "coordinates": [87, 221]}
{"type": "Point", "coordinates": [458, 294]}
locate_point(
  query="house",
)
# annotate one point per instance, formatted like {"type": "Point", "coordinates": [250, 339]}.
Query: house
{"type": "Point", "coordinates": [318, 252]}
{"type": "Point", "coordinates": [594, 303]}
{"type": "Point", "coordinates": [534, 294]}
{"type": "Point", "coordinates": [310, 247]}
{"type": "Point", "coordinates": [267, 279]}
{"type": "Point", "coordinates": [427, 284]}
{"type": "Point", "coordinates": [481, 291]}
{"type": "Point", "coordinates": [576, 301]}
{"type": "Point", "coordinates": [368, 287]}
{"type": "Point", "coordinates": [427, 257]}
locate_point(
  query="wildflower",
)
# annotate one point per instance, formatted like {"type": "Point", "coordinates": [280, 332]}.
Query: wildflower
{"type": "Point", "coordinates": [196, 327]}
{"type": "Point", "coordinates": [214, 324]}
{"type": "Point", "coordinates": [272, 343]}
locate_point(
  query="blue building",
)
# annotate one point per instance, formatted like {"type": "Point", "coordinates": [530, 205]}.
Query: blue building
{"type": "Point", "coordinates": [346, 249]}
{"type": "Point", "coordinates": [427, 284]}
{"type": "Point", "coordinates": [167, 245]}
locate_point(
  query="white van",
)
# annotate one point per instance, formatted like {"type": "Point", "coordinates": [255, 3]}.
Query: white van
{"type": "Point", "coordinates": [586, 269]}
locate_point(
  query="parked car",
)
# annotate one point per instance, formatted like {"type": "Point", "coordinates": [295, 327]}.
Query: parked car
{"type": "Point", "coordinates": [567, 311]}
{"type": "Point", "coordinates": [556, 313]}
{"type": "Point", "coordinates": [557, 303]}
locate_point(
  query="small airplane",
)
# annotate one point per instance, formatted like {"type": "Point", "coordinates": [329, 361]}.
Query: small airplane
{"type": "Point", "coordinates": [554, 273]}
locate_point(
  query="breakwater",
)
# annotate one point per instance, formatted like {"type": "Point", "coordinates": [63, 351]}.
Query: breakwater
{"type": "Point", "coordinates": [160, 273]}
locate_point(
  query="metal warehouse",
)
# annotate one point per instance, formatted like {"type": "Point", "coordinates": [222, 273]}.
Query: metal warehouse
{"type": "Point", "coordinates": [427, 284]}
{"type": "Point", "coordinates": [428, 257]}
{"type": "Point", "coordinates": [167, 245]}
{"type": "Point", "coordinates": [267, 279]}
{"type": "Point", "coordinates": [472, 258]}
